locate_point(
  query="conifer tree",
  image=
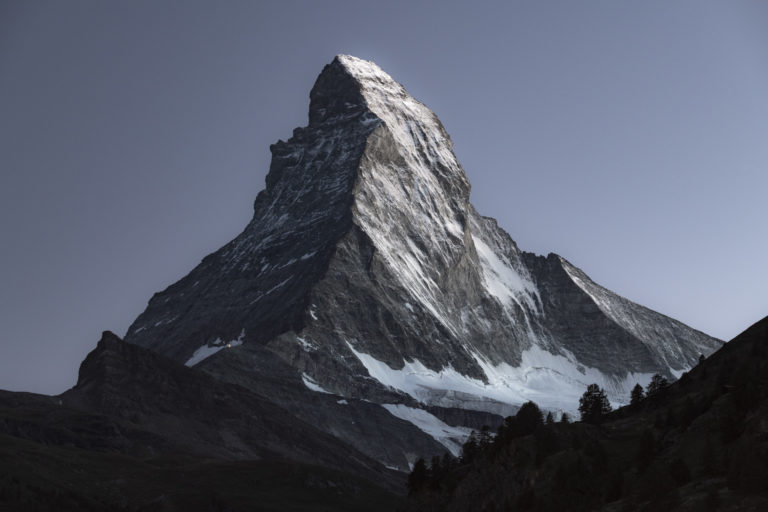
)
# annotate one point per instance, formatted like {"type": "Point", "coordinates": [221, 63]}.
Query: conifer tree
{"type": "Point", "coordinates": [636, 396]}
{"type": "Point", "coordinates": [529, 418]}
{"type": "Point", "coordinates": [484, 438]}
{"type": "Point", "coordinates": [448, 462]}
{"type": "Point", "coordinates": [418, 476]}
{"type": "Point", "coordinates": [594, 404]}
{"type": "Point", "coordinates": [656, 385]}
{"type": "Point", "coordinates": [469, 449]}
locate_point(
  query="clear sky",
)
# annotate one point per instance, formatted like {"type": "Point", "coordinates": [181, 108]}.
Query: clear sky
{"type": "Point", "coordinates": [629, 137]}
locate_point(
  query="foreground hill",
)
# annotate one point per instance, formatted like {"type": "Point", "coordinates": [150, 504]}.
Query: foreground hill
{"type": "Point", "coordinates": [43, 477]}
{"type": "Point", "coordinates": [700, 444]}
{"type": "Point", "coordinates": [142, 432]}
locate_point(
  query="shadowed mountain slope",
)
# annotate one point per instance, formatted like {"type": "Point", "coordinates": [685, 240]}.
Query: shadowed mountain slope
{"type": "Point", "coordinates": [142, 432]}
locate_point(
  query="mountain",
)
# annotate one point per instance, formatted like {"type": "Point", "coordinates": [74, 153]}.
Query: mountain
{"type": "Point", "coordinates": [367, 317]}
{"type": "Point", "coordinates": [368, 278]}
{"type": "Point", "coordinates": [700, 444]}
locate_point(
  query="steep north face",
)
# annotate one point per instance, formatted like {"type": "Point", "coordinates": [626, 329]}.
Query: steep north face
{"type": "Point", "coordinates": [366, 269]}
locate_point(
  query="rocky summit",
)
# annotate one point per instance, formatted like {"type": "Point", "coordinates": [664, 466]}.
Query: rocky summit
{"type": "Point", "coordinates": [368, 295]}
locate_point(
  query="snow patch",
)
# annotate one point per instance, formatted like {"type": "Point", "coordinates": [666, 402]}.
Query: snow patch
{"type": "Point", "coordinates": [450, 437]}
{"type": "Point", "coordinates": [203, 352]}
{"type": "Point", "coordinates": [314, 386]}
{"type": "Point", "coordinates": [554, 382]}
{"type": "Point", "coordinates": [165, 321]}
{"type": "Point", "coordinates": [278, 285]}
{"type": "Point", "coordinates": [208, 350]}
{"type": "Point", "coordinates": [678, 373]}
{"type": "Point", "coordinates": [306, 345]}
{"type": "Point", "coordinates": [501, 280]}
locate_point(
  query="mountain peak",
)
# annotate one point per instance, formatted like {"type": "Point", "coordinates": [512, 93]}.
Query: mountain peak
{"type": "Point", "coordinates": [370, 77]}
{"type": "Point", "coordinates": [362, 69]}
{"type": "Point", "coordinates": [349, 86]}
{"type": "Point", "coordinates": [336, 93]}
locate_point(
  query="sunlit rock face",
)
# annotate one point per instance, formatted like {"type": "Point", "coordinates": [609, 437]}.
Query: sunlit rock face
{"type": "Point", "coordinates": [367, 270]}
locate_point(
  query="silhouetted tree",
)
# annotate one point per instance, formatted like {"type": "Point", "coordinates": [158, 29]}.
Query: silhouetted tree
{"type": "Point", "coordinates": [529, 418]}
{"type": "Point", "coordinates": [636, 396]}
{"type": "Point", "coordinates": [565, 418]}
{"type": "Point", "coordinates": [449, 462]}
{"type": "Point", "coordinates": [470, 449]}
{"type": "Point", "coordinates": [656, 385]}
{"type": "Point", "coordinates": [594, 404]}
{"type": "Point", "coordinates": [550, 419]}
{"type": "Point", "coordinates": [418, 476]}
{"type": "Point", "coordinates": [484, 438]}
{"type": "Point", "coordinates": [702, 358]}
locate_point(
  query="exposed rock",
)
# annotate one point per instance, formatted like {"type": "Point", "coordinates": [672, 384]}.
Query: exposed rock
{"type": "Point", "coordinates": [201, 415]}
{"type": "Point", "coordinates": [366, 270]}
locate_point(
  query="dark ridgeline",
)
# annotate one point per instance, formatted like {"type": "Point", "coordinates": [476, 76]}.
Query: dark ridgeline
{"type": "Point", "coordinates": [140, 432]}
{"type": "Point", "coordinates": [699, 444]}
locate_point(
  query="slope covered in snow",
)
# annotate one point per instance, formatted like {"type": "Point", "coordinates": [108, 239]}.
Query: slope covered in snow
{"type": "Point", "coordinates": [450, 437]}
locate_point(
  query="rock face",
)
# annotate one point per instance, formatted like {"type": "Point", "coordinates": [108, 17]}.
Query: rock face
{"type": "Point", "coordinates": [367, 272]}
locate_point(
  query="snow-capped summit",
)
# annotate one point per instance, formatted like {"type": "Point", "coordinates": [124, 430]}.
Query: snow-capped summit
{"type": "Point", "coordinates": [367, 270]}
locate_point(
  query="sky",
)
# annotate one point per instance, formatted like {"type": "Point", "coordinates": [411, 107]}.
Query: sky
{"type": "Point", "coordinates": [630, 138]}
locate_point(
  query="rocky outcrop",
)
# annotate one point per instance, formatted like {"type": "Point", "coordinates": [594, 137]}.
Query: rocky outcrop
{"type": "Point", "coordinates": [195, 413]}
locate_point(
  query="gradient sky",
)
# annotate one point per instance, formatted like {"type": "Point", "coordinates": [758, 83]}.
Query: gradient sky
{"type": "Point", "coordinates": [631, 138]}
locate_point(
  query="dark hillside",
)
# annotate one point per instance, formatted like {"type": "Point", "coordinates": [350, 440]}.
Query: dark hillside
{"type": "Point", "coordinates": [140, 432]}
{"type": "Point", "coordinates": [699, 444]}
{"type": "Point", "coordinates": [36, 477]}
